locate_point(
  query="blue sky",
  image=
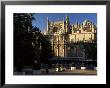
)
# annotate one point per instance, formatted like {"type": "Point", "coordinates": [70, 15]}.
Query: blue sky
{"type": "Point", "coordinates": [40, 18]}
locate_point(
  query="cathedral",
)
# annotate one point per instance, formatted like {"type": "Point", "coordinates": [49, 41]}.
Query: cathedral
{"type": "Point", "coordinates": [66, 38]}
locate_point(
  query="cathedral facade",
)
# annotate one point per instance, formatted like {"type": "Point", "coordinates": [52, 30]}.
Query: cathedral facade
{"type": "Point", "coordinates": [66, 38]}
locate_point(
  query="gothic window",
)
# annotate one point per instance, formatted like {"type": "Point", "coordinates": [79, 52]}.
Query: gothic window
{"type": "Point", "coordinates": [55, 29]}
{"type": "Point", "coordinates": [56, 46]}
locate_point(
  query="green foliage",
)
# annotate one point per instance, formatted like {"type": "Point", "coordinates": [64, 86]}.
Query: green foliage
{"type": "Point", "coordinates": [29, 43]}
{"type": "Point", "coordinates": [91, 50]}
{"type": "Point", "coordinates": [46, 51]}
{"type": "Point", "coordinates": [22, 43]}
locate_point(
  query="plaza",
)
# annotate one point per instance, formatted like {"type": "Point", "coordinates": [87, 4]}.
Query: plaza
{"type": "Point", "coordinates": [54, 72]}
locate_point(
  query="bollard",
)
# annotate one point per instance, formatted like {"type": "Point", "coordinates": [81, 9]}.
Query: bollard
{"type": "Point", "coordinates": [73, 68]}
{"type": "Point", "coordinates": [95, 68]}
{"type": "Point", "coordinates": [61, 69]}
{"type": "Point", "coordinates": [83, 68]}
{"type": "Point", "coordinates": [57, 69]}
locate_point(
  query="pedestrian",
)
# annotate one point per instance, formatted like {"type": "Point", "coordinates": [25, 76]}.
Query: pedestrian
{"type": "Point", "coordinates": [46, 68]}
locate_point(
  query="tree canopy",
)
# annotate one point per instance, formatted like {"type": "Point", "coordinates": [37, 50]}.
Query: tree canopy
{"type": "Point", "coordinates": [29, 43]}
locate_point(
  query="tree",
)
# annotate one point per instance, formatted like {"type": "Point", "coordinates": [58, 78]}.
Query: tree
{"type": "Point", "coordinates": [41, 48]}
{"type": "Point", "coordinates": [90, 50]}
{"type": "Point", "coordinates": [46, 52]}
{"type": "Point", "coordinates": [29, 43]}
{"type": "Point", "coordinates": [22, 44]}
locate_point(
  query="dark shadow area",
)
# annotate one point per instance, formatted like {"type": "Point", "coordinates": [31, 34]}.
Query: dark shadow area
{"type": "Point", "coordinates": [31, 48]}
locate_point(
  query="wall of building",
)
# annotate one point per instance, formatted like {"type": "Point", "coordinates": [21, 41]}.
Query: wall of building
{"type": "Point", "coordinates": [63, 38]}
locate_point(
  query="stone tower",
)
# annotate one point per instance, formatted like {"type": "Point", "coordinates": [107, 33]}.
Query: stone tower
{"type": "Point", "coordinates": [67, 23]}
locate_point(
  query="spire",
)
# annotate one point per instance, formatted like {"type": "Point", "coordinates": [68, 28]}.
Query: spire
{"type": "Point", "coordinates": [47, 23]}
{"type": "Point", "coordinates": [67, 23]}
{"type": "Point", "coordinates": [47, 18]}
{"type": "Point", "coordinates": [67, 19]}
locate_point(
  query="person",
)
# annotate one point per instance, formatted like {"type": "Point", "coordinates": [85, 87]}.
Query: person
{"type": "Point", "coordinates": [59, 66]}
{"type": "Point", "coordinates": [36, 65]}
{"type": "Point", "coordinates": [46, 68]}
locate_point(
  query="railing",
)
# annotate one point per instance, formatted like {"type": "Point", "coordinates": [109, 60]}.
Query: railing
{"type": "Point", "coordinates": [71, 58]}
